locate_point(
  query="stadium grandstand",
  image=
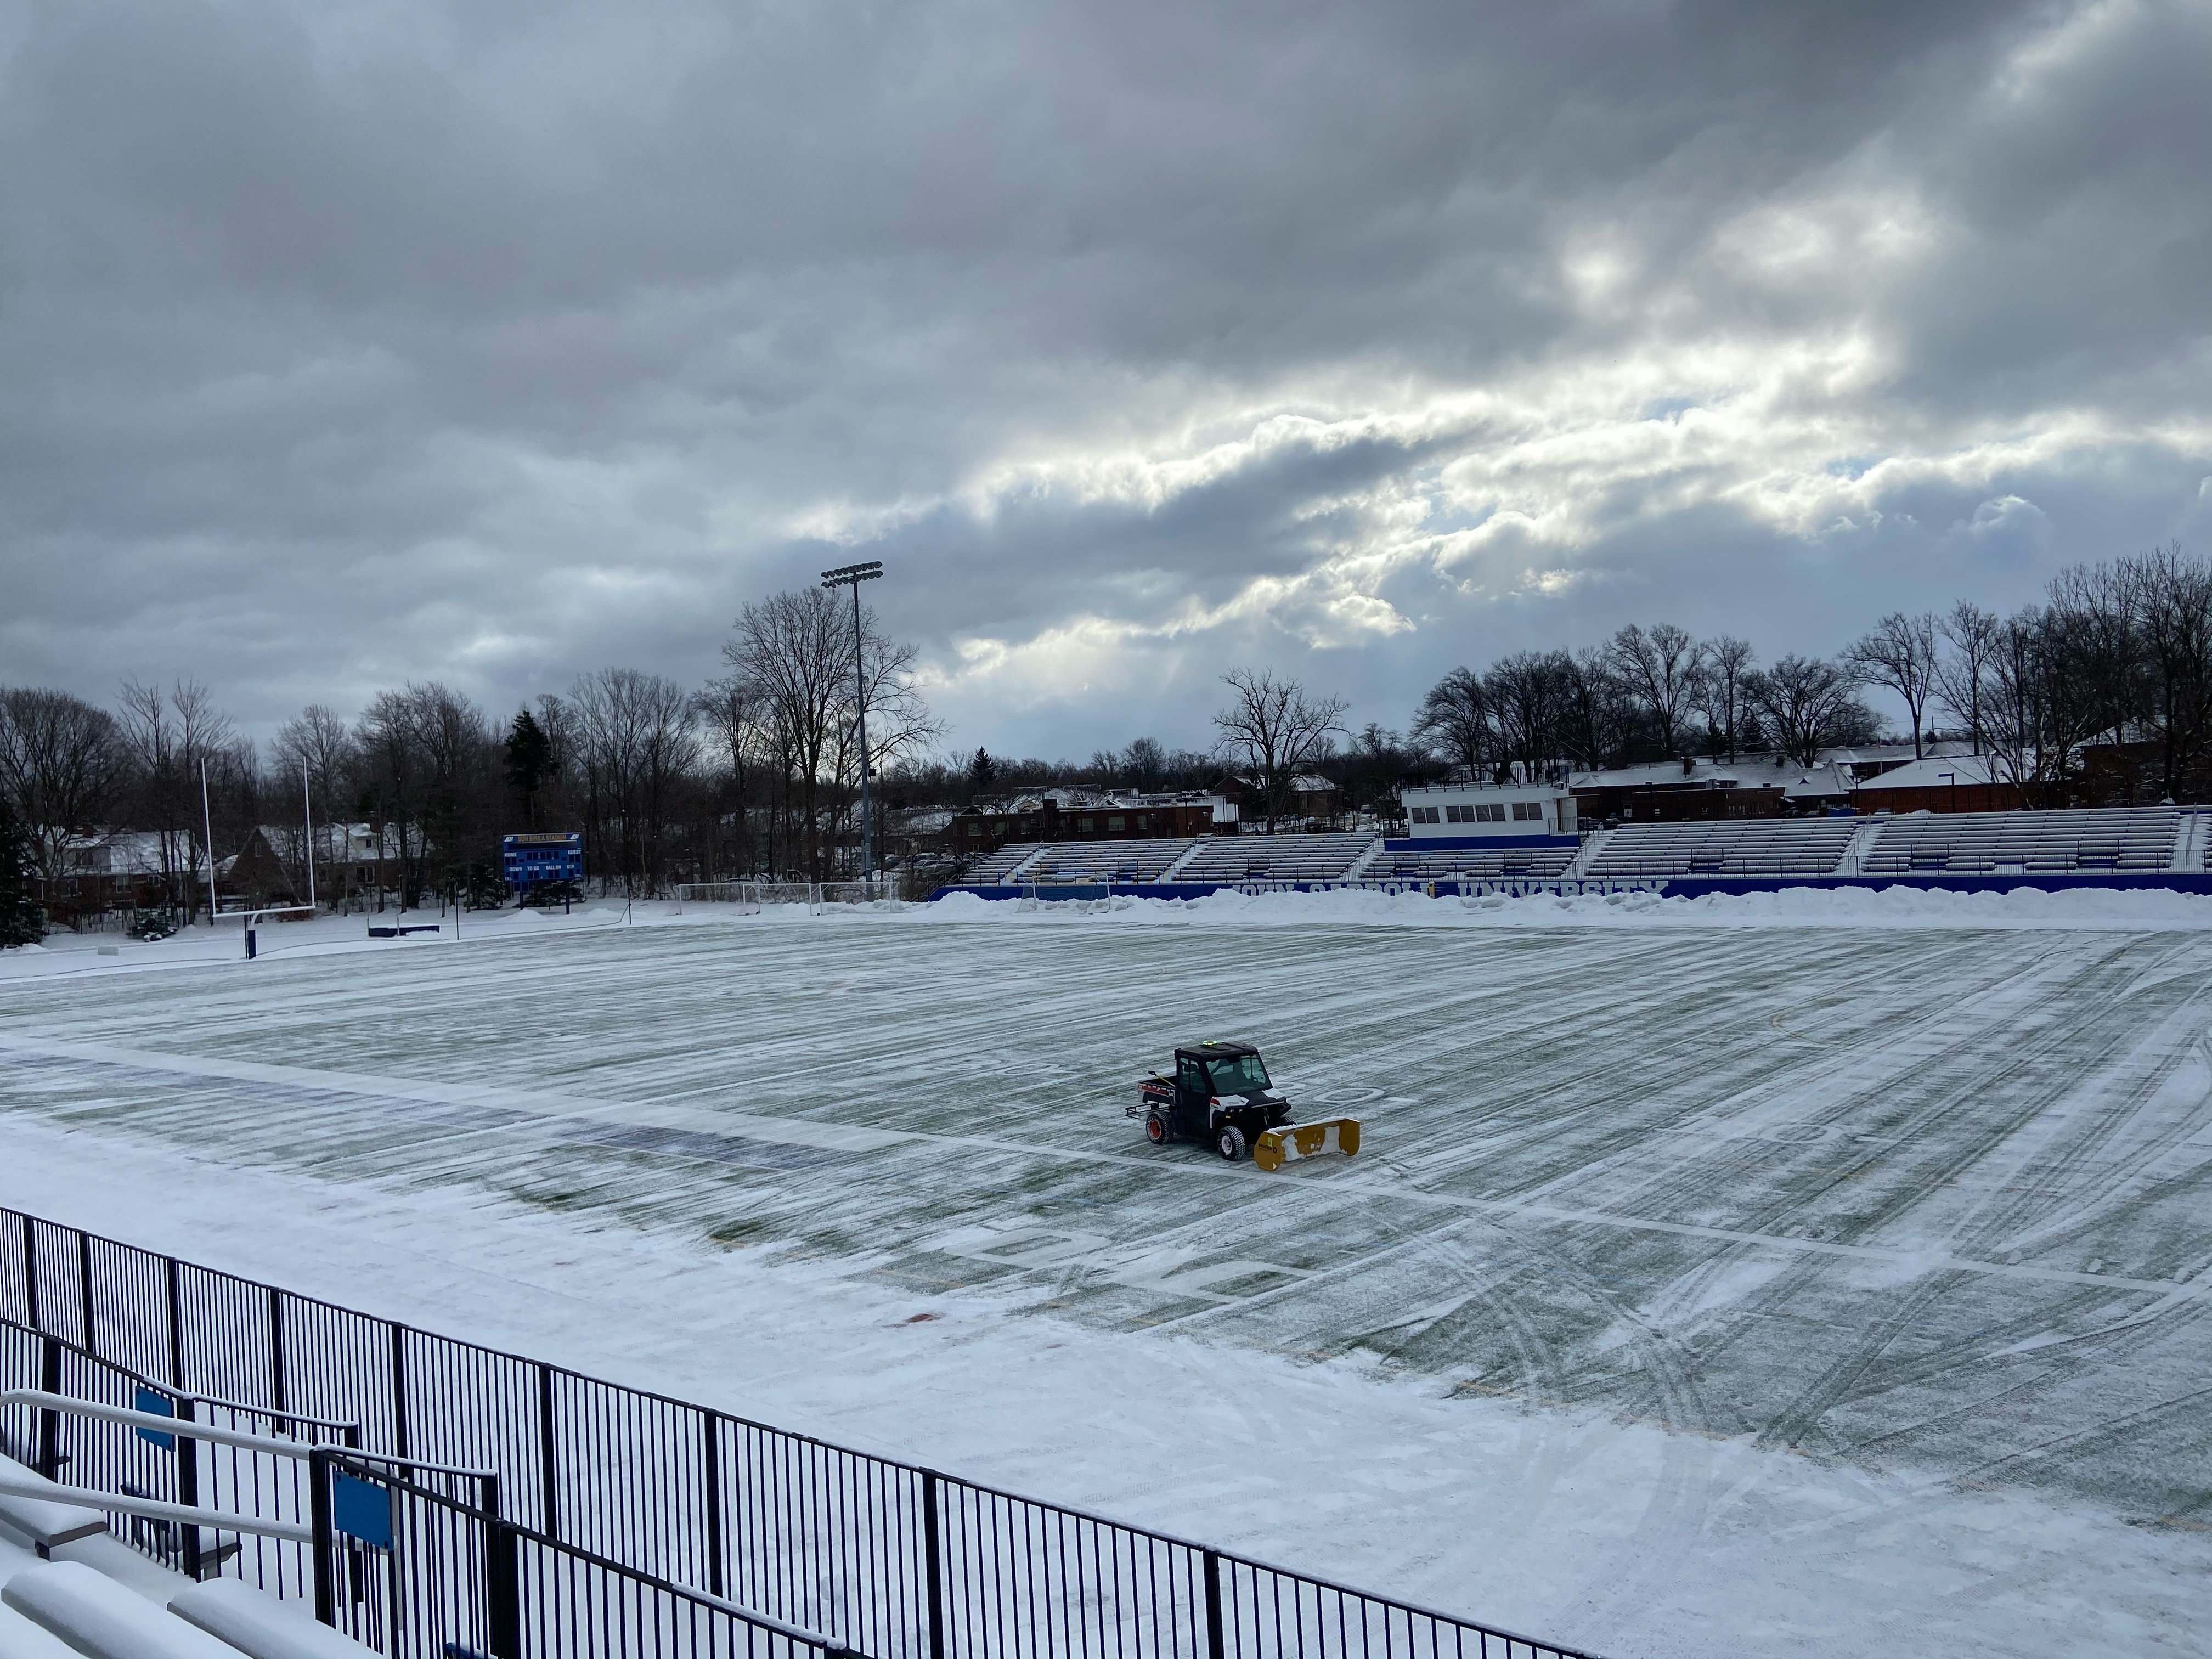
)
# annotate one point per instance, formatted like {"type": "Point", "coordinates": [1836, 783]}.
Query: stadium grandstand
{"type": "Point", "coordinates": [1724, 847]}
{"type": "Point", "coordinates": [2114, 845]}
{"type": "Point", "coordinates": [2146, 839]}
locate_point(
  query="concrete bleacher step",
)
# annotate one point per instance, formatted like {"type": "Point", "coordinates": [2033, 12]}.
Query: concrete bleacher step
{"type": "Point", "coordinates": [259, 1625]}
{"type": "Point", "coordinates": [99, 1618]}
{"type": "Point", "coordinates": [23, 1638]}
{"type": "Point", "coordinates": [43, 1522]}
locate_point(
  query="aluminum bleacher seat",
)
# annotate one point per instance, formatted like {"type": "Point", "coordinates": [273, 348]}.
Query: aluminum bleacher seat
{"type": "Point", "coordinates": [1475, 863]}
{"type": "Point", "coordinates": [101, 1620]}
{"type": "Point", "coordinates": [1725, 846]}
{"type": "Point", "coordinates": [1326, 857]}
{"type": "Point", "coordinates": [998, 864]}
{"type": "Point", "coordinates": [259, 1625]}
{"type": "Point", "coordinates": [2140, 839]}
{"type": "Point", "coordinates": [1106, 860]}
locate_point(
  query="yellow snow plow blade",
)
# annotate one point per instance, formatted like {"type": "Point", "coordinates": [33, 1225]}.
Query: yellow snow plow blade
{"type": "Point", "coordinates": [1296, 1140]}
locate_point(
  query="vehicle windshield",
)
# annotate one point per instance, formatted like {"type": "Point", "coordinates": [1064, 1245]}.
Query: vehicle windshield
{"type": "Point", "coordinates": [1244, 1075]}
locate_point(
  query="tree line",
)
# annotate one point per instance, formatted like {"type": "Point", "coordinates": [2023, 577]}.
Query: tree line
{"type": "Point", "coordinates": [2117, 655]}
{"type": "Point", "coordinates": [757, 772]}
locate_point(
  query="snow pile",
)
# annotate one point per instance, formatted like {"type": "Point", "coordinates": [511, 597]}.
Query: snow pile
{"type": "Point", "coordinates": [1852, 907]}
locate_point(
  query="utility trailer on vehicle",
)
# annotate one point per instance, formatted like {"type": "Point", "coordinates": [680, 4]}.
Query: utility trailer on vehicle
{"type": "Point", "coordinates": [1221, 1095]}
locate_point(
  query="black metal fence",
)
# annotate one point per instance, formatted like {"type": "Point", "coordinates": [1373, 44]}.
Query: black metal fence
{"type": "Point", "coordinates": [516, 1508]}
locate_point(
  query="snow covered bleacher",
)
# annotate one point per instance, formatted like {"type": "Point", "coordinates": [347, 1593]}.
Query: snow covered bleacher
{"type": "Point", "coordinates": [1106, 860]}
{"type": "Point", "coordinates": [1003, 863]}
{"type": "Point", "coordinates": [1724, 847]}
{"type": "Point", "coordinates": [1276, 858]}
{"type": "Point", "coordinates": [2099, 839]}
{"type": "Point", "coordinates": [71, 1588]}
{"type": "Point", "coordinates": [1478, 863]}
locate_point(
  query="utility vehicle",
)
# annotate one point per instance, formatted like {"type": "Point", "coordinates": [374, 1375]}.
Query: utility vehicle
{"type": "Point", "coordinates": [1221, 1096]}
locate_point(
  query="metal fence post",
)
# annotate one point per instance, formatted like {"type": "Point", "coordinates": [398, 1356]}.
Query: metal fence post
{"type": "Point", "coordinates": [399, 1391]}
{"type": "Point", "coordinates": [175, 1281]}
{"type": "Point", "coordinates": [49, 1380]}
{"type": "Point", "coordinates": [1213, 1644]}
{"type": "Point", "coordinates": [325, 1542]}
{"type": "Point", "coordinates": [711, 1460]}
{"type": "Point", "coordinates": [502, 1570]}
{"type": "Point", "coordinates": [932, 1565]}
{"type": "Point", "coordinates": [548, 1451]}
{"type": "Point", "coordinates": [84, 1288]}
{"type": "Point", "coordinates": [277, 1399]}
{"type": "Point", "coordinates": [188, 1486]}
{"type": "Point", "coordinates": [31, 1275]}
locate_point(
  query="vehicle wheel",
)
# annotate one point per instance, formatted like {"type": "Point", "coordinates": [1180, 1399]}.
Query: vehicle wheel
{"type": "Point", "coordinates": [1232, 1143]}
{"type": "Point", "coordinates": [1156, 1129]}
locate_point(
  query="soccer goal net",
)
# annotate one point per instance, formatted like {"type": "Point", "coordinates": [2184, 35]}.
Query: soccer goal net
{"type": "Point", "coordinates": [743, 897]}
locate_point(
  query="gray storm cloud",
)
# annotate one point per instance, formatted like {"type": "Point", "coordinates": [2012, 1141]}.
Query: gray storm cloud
{"type": "Point", "coordinates": [496, 342]}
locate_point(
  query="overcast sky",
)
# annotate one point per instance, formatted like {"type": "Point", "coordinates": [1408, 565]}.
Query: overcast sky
{"type": "Point", "coordinates": [492, 342]}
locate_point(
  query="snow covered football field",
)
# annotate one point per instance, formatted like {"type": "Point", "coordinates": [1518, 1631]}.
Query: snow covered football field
{"type": "Point", "coordinates": [1802, 1274]}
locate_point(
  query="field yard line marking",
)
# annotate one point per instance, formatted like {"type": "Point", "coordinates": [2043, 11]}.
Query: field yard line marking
{"type": "Point", "coordinates": [796, 1131]}
{"type": "Point", "coordinates": [812, 1133]}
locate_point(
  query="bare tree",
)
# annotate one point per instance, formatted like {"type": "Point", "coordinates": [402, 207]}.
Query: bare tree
{"type": "Point", "coordinates": [1962, 674]}
{"type": "Point", "coordinates": [1529, 692]}
{"type": "Point", "coordinates": [316, 748]}
{"type": "Point", "coordinates": [795, 653]}
{"type": "Point", "coordinates": [1660, 669]}
{"type": "Point", "coordinates": [1900, 655]}
{"type": "Point", "coordinates": [63, 769]}
{"type": "Point", "coordinates": [1599, 716]}
{"type": "Point", "coordinates": [171, 735]}
{"type": "Point", "coordinates": [731, 716]}
{"type": "Point", "coordinates": [425, 754]}
{"type": "Point", "coordinates": [1809, 705]}
{"type": "Point", "coordinates": [1720, 692]}
{"type": "Point", "coordinates": [2171, 601]}
{"type": "Point", "coordinates": [1274, 730]}
{"type": "Point", "coordinates": [1145, 763]}
{"type": "Point", "coordinates": [1456, 720]}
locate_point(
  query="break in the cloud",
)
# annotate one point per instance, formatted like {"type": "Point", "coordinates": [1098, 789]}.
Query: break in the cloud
{"type": "Point", "coordinates": [340, 345]}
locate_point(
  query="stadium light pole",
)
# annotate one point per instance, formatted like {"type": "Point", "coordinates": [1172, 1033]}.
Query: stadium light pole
{"type": "Point", "coordinates": [852, 575]}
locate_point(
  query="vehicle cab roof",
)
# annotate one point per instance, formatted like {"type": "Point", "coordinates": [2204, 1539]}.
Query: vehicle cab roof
{"type": "Point", "coordinates": [1216, 1051]}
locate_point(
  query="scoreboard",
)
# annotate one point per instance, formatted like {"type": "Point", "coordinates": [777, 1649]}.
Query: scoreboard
{"type": "Point", "coordinates": [540, 856]}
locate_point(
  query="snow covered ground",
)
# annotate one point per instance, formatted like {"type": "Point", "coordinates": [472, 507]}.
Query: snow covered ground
{"type": "Point", "coordinates": [1807, 1272]}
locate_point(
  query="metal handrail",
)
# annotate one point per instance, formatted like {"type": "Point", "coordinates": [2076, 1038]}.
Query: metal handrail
{"type": "Point", "coordinates": [189, 1429]}
{"type": "Point", "coordinates": [157, 1421]}
{"type": "Point", "coordinates": [154, 1508]}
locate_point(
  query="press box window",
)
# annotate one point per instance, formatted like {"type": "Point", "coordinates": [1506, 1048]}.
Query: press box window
{"type": "Point", "coordinates": [1425, 815]}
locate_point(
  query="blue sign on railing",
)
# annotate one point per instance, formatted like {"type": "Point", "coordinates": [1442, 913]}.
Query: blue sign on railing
{"type": "Point", "coordinates": [362, 1509]}
{"type": "Point", "coordinates": [155, 1405]}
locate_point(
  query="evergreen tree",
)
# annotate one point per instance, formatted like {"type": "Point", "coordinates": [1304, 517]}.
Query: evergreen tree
{"type": "Point", "coordinates": [21, 922]}
{"type": "Point", "coordinates": [529, 761]}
